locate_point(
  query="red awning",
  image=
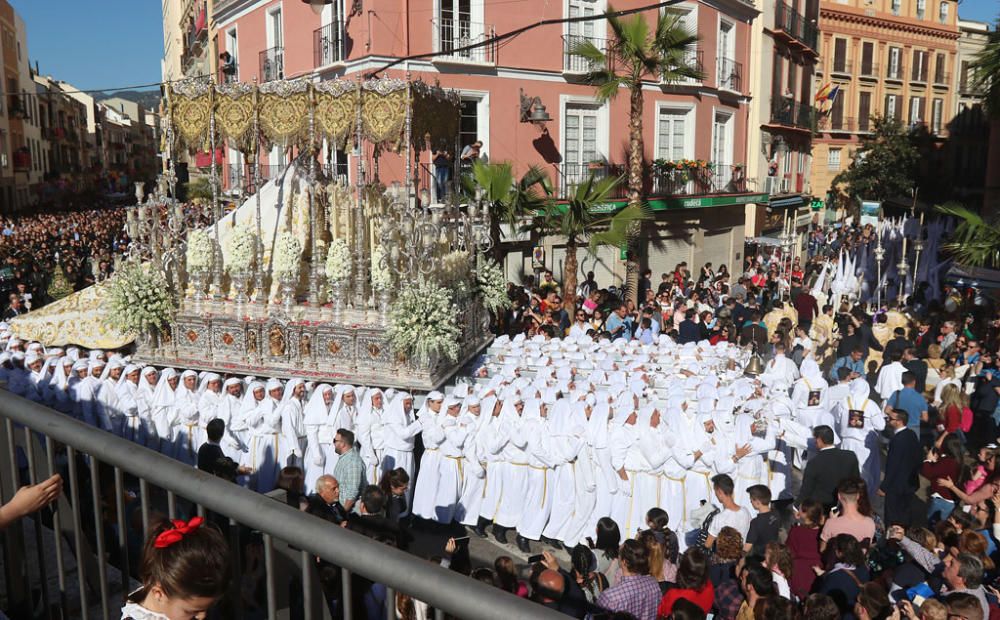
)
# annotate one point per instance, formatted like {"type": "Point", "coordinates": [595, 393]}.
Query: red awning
{"type": "Point", "coordinates": [203, 159]}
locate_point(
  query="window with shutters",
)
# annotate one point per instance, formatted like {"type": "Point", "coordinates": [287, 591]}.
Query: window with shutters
{"type": "Point", "coordinates": [919, 71]}
{"type": "Point", "coordinates": [897, 6]}
{"type": "Point", "coordinates": [867, 54]}
{"type": "Point", "coordinates": [964, 78]}
{"type": "Point", "coordinates": [939, 67]}
{"type": "Point", "coordinates": [937, 112]}
{"type": "Point", "coordinates": [840, 55]}
{"type": "Point", "coordinates": [864, 110]}
{"type": "Point", "coordinates": [895, 68]}
{"type": "Point", "coordinates": [776, 76]}
{"type": "Point", "coordinates": [943, 13]}
{"type": "Point", "coordinates": [580, 140]}
{"type": "Point", "coordinates": [891, 110]}
{"type": "Point", "coordinates": [672, 132]}
{"type": "Point", "coordinates": [833, 159]}
{"type": "Point", "coordinates": [916, 110]}
{"type": "Point", "coordinates": [722, 140]}
{"type": "Point", "coordinates": [921, 8]}
{"type": "Point", "coordinates": [837, 111]}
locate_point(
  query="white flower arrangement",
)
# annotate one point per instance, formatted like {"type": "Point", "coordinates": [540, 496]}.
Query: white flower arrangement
{"type": "Point", "coordinates": [138, 299]}
{"type": "Point", "coordinates": [200, 251]}
{"type": "Point", "coordinates": [286, 256]}
{"type": "Point", "coordinates": [423, 322]}
{"type": "Point", "coordinates": [492, 285]}
{"type": "Point", "coordinates": [242, 249]}
{"type": "Point", "coordinates": [454, 268]}
{"type": "Point", "coordinates": [381, 274]}
{"type": "Point", "coordinates": [338, 261]}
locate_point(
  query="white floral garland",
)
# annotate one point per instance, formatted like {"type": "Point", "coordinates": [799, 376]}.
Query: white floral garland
{"type": "Point", "coordinates": [138, 299]}
{"type": "Point", "coordinates": [338, 261]}
{"type": "Point", "coordinates": [200, 251]}
{"type": "Point", "coordinates": [454, 268]}
{"type": "Point", "coordinates": [492, 285]}
{"type": "Point", "coordinates": [242, 250]}
{"type": "Point", "coordinates": [381, 275]}
{"type": "Point", "coordinates": [423, 322]}
{"type": "Point", "coordinates": [287, 252]}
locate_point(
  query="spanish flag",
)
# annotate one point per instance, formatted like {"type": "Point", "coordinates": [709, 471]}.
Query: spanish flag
{"type": "Point", "coordinates": [824, 93]}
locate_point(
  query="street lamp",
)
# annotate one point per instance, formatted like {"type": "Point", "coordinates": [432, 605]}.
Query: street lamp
{"type": "Point", "coordinates": [318, 5]}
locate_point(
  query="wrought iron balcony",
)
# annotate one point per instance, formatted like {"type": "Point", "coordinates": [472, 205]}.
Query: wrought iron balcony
{"type": "Point", "coordinates": [272, 64]}
{"type": "Point", "coordinates": [729, 74]}
{"type": "Point", "coordinates": [658, 181]}
{"type": "Point", "coordinates": [452, 35]}
{"type": "Point", "coordinates": [894, 73]}
{"type": "Point", "coordinates": [328, 44]}
{"type": "Point", "coordinates": [575, 63]}
{"type": "Point", "coordinates": [942, 79]}
{"type": "Point", "coordinates": [792, 24]}
{"type": "Point", "coordinates": [791, 113]}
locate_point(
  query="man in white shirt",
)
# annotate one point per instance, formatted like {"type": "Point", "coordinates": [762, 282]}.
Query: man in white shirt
{"type": "Point", "coordinates": [730, 514]}
{"type": "Point", "coordinates": [780, 370]}
{"type": "Point", "coordinates": [890, 378]}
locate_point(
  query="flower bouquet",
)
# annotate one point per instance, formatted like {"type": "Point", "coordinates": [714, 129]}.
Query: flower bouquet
{"type": "Point", "coordinates": [338, 261]}
{"type": "Point", "coordinates": [492, 285]}
{"type": "Point", "coordinates": [242, 250]}
{"type": "Point", "coordinates": [287, 252]}
{"type": "Point", "coordinates": [138, 300]}
{"type": "Point", "coordinates": [423, 323]}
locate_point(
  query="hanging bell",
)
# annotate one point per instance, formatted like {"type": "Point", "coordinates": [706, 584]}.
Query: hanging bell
{"type": "Point", "coordinates": [755, 366]}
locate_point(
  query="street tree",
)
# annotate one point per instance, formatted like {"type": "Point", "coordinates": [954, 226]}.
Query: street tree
{"type": "Point", "coordinates": [884, 165]}
{"type": "Point", "coordinates": [508, 198]}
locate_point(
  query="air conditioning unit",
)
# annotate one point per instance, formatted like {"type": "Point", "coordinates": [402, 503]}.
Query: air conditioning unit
{"type": "Point", "coordinates": [777, 185]}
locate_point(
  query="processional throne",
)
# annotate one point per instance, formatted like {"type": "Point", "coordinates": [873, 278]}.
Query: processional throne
{"type": "Point", "coordinates": [236, 312]}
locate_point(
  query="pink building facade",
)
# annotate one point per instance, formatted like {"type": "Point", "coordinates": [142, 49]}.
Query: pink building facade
{"type": "Point", "coordinates": [699, 217]}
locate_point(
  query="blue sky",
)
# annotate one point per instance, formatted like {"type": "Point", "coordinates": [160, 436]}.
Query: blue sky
{"type": "Point", "coordinates": [110, 44]}
{"type": "Point", "coordinates": [92, 44]}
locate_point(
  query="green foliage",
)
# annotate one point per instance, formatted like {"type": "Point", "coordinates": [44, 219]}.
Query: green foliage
{"type": "Point", "coordinates": [987, 73]}
{"type": "Point", "coordinates": [199, 188]}
{"type": "Point", "coordinates": [885, 164]}
{"type": "Point", "coordinates": [975, 242]}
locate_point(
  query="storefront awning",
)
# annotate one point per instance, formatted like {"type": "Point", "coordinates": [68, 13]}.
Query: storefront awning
{"type": "Point", "coordinates": [786, 202]}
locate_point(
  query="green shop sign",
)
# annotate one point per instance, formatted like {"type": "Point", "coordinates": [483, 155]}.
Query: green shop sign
{"type": "Point", "coordinates": [670, 204]}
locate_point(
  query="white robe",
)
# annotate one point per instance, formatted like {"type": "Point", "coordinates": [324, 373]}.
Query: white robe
{"type": "Point", "coordinates": [425, 493]}
{"type": "Point", "coordinates": [132, 407]}
{"type": "Point", "coordinates": [228, 410]}
{"type": "Point", "coordinates": [269, 450]}
{"type": "Point", "coordinates": [542, 458]}
{"type": "Point", "coordinates": [890, 379]}
{"type": "Point", "coordinates": [186, 434]}
{"type": "Point", "coordinates": [863, 440]}
{"type": "Point", "coordinates": [400, 431]}
{"type": "Point", "coordinates": [451, 469]}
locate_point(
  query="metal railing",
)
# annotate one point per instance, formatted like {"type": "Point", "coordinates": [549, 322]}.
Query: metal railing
{"type": "Point", "coordinates": [894, 73]}
{"type": "Point", "coordinates": [328, 44]}
{"type": "Point", "coordinates": [451, 35]}
{"type": "Point", "coordinates": [719, 179]}
{"type": "Point", "coordinates": [792, 23]}
{"type": "Point", "coordinates": [695, 59]}
{"type": "Point", "coordinates": [942, 78]}
{"type": "Point", "coordinates": [729, 74]}
{"type": "Point", "coordinates": [919, 73]}
{"type": "Point", "coordinates": [868, 71]}
{"type": "Point", "coordinates": [272, 64]}
{"type": "Point", "coordinates": [229, 73]}
{"type": "Point", "coordinates": [99, 468]}
{"type": "Point", "coordinates": [575, 63]}
{"type": "Point", "coordinates": [240, 177]}
{"type": "Point", "coordinates": [830, 122]}
{"type": "Point", "coordinates": [785, 111]}
{"type": "Point", "coordinates": [841, 65]}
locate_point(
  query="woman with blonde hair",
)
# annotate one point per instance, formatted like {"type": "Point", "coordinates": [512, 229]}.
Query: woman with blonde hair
{"type": "Point", "coordinates": [953, 402]}
{"type": "Point", "coordinates": [947, 375]}
{"type": "Point", "coordinates": [934, 359]}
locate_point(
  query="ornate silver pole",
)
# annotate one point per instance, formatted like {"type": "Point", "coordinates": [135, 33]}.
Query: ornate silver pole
{"type": "Point", "coordinates": [216, 206]}
{"type": "Point", "coordinates": [408, 136]}
{"type": "Point", "coordinates": [879, 258]}
{"type": "Point", "coordinates": [918, 246]}
{"type": "Point", "coordinates": [261, 293]}
{"type": "Point", "coordinates": [313, 229]}
{"type": "Point", "coordinates": [360, 264]}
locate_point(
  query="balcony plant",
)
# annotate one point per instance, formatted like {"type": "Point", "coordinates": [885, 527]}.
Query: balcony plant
{"type": "Point", "coordinates": [636, 53]}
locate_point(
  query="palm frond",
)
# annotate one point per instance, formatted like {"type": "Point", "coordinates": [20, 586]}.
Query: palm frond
{"type": "Point", "coordinates": [974, 242]}
{"type": "Point", "coordinates": [586, 49]}
{"type": "Point", "coordinates": [620, 226]}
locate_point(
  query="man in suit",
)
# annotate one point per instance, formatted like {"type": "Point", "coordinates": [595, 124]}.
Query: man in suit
{"type": "Point", "coordinates": [826, 469]}
{"type": "Point", "coordinates": [917, 366]}
{"type": "Point", "coordinates": [688, 330]}
{"type": "Point", "coordinates": [898, 343]}
{"type": "Point", "coordinates": [901, 469]}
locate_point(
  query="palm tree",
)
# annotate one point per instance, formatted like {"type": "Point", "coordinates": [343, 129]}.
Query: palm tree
{"type": "Point", "coordinates": [579, 220]}
{"type": "Point", "coordinates": [635, 55]}
{"type": "Point", "coordinates": [508, 198]}
{"type": "Point", "coordinates": [975, 242]}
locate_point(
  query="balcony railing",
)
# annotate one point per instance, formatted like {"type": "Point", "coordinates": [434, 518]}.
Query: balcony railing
{"type": "Point", "coordinates": [240, 178]}
{"type": "Point", "coordinates": [894, 73]}
{"type": "Point", "coordinates": [328, 44]}
{"type": "Point", "coordinates": [868, 71]}
{"type": "Point", "coordinates": [942, 78]}
{"type": "Point", "coordinates": [695, 59]}
{"type": "Point", "coordinates": [272, 64]}
{"type": "Point", "coordinates": [719, 179]}
{"type": "Point", "coordinates": [575, 63]}
{"type": "Point", "coordinates": [451, 35]}
{"type": "Point", "coordinates": [116, 492]}
{"type": "Point", "coordinates": [844, 124]}
{"type": "Point", "coordinates": [228, 73]}
{"type": "Point", "coordinates": [793, 24]}
{"type": "Point", "coordinates": [841, 65]}
{"type": "Point", "coordinates": [919, 74]}
{"type": "Point", "coordinates": [729, 74]}
{"type": "Point", "coordinates": [785, 111]}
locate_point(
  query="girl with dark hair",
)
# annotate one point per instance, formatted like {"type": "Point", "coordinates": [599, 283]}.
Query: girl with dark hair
{"type": "Point", "coordinates": [184, 572]}
{"type": "Point", "coordinates": [590, 581]}
{"type": "Point", "coordinates": [394, 484]}
{"type": "Point", "coordinates": [943, 462]}
{"type": "Point", "coordinates": [845, 572]}
{"type": "Point", "coordinates": [507, 577]}
{"type": "Point", "coordinates": [606, 548]}
{"type": "Point", "coordinates": [803, 542]}
{"type": "Point", "coordinates": [692, 584]}
{"type": "Point", "coordinates": [293, 480]}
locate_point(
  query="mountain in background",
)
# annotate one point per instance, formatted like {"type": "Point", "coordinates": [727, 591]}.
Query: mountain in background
{"type": "Point", "coordinates": [149, 99]}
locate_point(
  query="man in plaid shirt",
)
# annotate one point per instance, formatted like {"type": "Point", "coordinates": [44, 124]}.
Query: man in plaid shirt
{"type": "Point", "coordinates": [637, 592]}
{"type": "Point", "coordinates": [350, 469]}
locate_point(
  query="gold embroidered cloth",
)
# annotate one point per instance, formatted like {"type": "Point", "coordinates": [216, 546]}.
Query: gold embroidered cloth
{"type": "Point", "coordinates": [77, 319]}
